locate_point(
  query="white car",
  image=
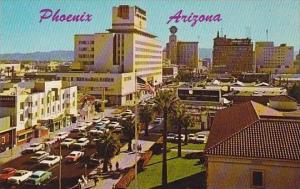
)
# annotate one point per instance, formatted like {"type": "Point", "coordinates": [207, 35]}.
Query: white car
{"type": "Point", "coordinates": [88, 124]}
{"type": "Point", "coordinates": [96, 120]}
{"type": "Point", "coordinates": [201, 138]}
{"type": "Point", "coordinates": [74, 156]}
{"type": "Point", "coordinates": [128, 111]}
{"type": "Point", "coordinates": [82, 142]}
{"type": "Point", "coordinates": [113, 124]}
{"type": "Point", "coordinates": [158, 121]}
{"type": "Point", "coordinates": [34, 147]}
{"type": "Point", "coordinates": [182, 137]}
{"type": "Point", "coordinates": [192, 137]}
{"type": "Point", "coordinates": [39, 156]}
{"type": "Point", "coordinates": [79, 128]}
{"type": "Point", "coordinates": [19, 177]}
{"type": "Point", "coordinates": [50, 160]}
{"type": "Point", "coordinates": [50, 141]}
{"type": "Point", "coordinates": [97, 131]}
{"type": "Point", "coordinates": [105, 121]}
{"type": "Point", "coordinates": [68, 142]}
{"type": "Point", "coordinates": [171, 136]}
{"type": "Point", "coordinates": [61, 135]}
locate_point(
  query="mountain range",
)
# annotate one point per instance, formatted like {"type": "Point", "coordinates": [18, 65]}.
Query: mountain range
{"type": "Point", "coordinates": [63, 55]}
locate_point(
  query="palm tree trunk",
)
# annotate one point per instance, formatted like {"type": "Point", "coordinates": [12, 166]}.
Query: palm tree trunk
{"type": "Point", "coordinates": [146, 129]}
{"type": "Point", "coordinates": [129, 146]}
{"type": "Point", "coordinates": [105, 165]}
{"type": "Point", "coordinates": [179, 140]}
{"type": "Point", "coordinates": [164, 154]}
{"type": "Point", "coordinates": [186, 135]}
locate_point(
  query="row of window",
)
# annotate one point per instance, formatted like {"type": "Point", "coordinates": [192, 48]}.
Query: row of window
{"type": "Point", "coordinates": [35, 115]}
{"type": "Point", "coordinates": [86, 49]}
{"type": "Point", "coordinates": [146, 50]}
{"type": "Point", "coordinates": [97, 79]}
{"type": "Point", "coordinates": [86, 55]}
{"type": "Point", "coordinates": [54, 98]}
{"type": "Point", "coordinates": [118, 49]}
{"type": "Point", "coordinates": [147, 62]}
{"type": "Point", "coordinates": [149, 69]}
{"type": "Point", "coordinates": [85, 42]}
{"type": "Point", "coordinates": [147, 44]}
{"type": "Point", "coordinates": [147, 56]}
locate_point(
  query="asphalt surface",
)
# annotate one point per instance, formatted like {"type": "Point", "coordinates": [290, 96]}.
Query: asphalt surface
{"type": "Point", "coordinates": [71, 172]}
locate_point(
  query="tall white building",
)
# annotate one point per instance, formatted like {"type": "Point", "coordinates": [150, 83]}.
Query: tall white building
{"type": "Point", "coordinates": [274, 59]}
{"type": "Point", "coordinates": [126, 48]}
{"type": "Point", "coordinates": [112, 60]}
{"type": "Point", "coordinates": [34, 105]}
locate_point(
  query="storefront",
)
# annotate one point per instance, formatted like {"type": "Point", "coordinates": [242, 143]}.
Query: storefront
{"type": "Point", "coordinates": [55, 124]}
{"type": "Point", "coordinates": [24, 136]}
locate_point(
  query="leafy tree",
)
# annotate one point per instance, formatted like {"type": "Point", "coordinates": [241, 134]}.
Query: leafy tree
{"type": "Point", "coordinates": [107, 147]}
{"type": "Point", "coordinates": [165, 104]}
{"type": "Point", "coordinates": [187, 121]}
{"type": "Point", "coordinates": [177, 120]}
{"type": "Point", "coordinates": [146, 116]}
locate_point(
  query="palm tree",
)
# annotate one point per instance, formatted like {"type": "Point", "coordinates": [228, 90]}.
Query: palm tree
{"type": "Point", "coordinates": [107, 147]}
{"type": "Point", "coordinates": [177, 119]}
{"type": "Point", "coordinates": [146, 116]}
{"type": "Point", "coordinates": [128, 131]}
{"type": "Point", "coordinates": [187, 121]}
{"type": "Point", "coordinates": [165, 103]}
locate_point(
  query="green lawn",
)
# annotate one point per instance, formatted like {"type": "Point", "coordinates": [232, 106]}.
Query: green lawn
{"type": "Point", "coordinates": [178, 169]}
{"type": "Point", "coordinates": [189, 146]}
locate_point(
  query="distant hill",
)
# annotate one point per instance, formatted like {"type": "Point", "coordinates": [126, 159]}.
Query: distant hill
{"type": "Point", "coordinates": [40, 56]}
{"type": "Point", "coordinates": [205, 53]}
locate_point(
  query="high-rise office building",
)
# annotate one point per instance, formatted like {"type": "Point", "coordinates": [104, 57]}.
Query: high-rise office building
{"type": "Point", "coordinates": [232, 55]}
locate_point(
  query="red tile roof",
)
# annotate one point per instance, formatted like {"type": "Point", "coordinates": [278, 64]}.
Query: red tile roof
{"type": "Point", "coordinates": [231, 120]}
{"type": "Point", "coordinates": [283, 98]}
{"type": "Point", "coordinates": [265, 138]}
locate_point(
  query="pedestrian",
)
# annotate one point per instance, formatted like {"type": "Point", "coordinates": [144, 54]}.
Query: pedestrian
{"type": "Point", "coordinates": [117, 166]}
{"type": "Point", "coordinates": [110, 166]}
{"type": "Point", "coordinates": [95, 180]}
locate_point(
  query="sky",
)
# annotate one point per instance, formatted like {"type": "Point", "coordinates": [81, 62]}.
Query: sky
{"type": "Point", "coordinates": [21, 31]}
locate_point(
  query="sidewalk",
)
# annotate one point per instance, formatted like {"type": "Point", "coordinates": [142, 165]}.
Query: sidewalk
{"type": "Point", "coordinates": [126, 159]}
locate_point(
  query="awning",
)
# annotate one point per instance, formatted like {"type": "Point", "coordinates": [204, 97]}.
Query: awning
{"type": "Point", "coordinates": [25, 131]}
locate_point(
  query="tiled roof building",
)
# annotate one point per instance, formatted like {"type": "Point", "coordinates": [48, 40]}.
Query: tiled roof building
{"type": "Point", "coordinates": [253, 146]}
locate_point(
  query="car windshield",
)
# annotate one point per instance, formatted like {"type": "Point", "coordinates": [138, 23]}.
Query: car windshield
{"type": "Point", "coordinates": [68, 140]}
{"type": "Point", "coordinates": [4, 171]}
{"type": "Point", "coordinates": [18, 174]}
{"type": "Point", "coordinates": [50, 158]}
{"type": "Point", "coordinates": [34, 176]}
{"type": "Point", "coordinates": [34, 145]}
{"type": "Point", "coordinates": [72, 154]}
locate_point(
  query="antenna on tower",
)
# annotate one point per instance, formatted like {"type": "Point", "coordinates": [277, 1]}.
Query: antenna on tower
{"type": "Point", "coordinates": [267, 34]}
{"type": "Point", "coordinates": [248, 32]}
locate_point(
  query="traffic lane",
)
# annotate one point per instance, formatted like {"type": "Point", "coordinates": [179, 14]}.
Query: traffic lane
{"type": "Point", "coordinates": [70, 171]}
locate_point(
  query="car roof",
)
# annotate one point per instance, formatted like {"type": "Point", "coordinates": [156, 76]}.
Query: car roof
{"type": "Point", "coordinates": [35, 143]}
{"type": "Point", "coordinates": [75, 152]}
{"type": "Point", "coordinates": [39, 152]}
{"type": "Point", "coordinates": [39, 173]}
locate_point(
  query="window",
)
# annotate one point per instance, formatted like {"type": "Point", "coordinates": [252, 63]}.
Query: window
{"type": "Point", "coordinates": [257, 179]}
{"type": "Point", "coordinates": [48, 110]}
{"type": "Point", "coordinates": [53, 109]}
{"type": "Point", "coordinates": [36, 103]}
{"type": "Point", "coordinates": [42, 112]}
{"type": "Point", "coordinates": [30, 115]}
{"type": "Point", "coordinates": [21, 117]}
{"type": "Point", "coordinates": [22, 105]}
{"type": "Point", "coordinates": [74, 94]}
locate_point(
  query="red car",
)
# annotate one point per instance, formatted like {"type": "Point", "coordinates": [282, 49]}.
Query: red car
{"type": "Point", "coordinates": [6, 173]}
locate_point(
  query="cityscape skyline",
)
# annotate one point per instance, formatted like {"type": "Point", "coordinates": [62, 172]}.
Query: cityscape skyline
{"type": "Point", "coordinates": [255, 20]}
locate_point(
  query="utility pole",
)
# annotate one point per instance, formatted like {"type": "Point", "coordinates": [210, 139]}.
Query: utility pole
{"type": "Point", "coordinates": [59, 184]}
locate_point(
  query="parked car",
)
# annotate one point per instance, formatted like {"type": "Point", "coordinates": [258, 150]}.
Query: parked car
{"type": "Point", "coordinates": [88, 123]}
{"type": "Point", "coordinates": [6, 173]}
{"type": "Point", "coordinates": [128, 111]}
{"type": "Point", "coordinates": [50, 160]}
{"type": "Point", "coordinates": [96, 132]}
{"type": "Point", "coordinates": [100, 126]}
{"type": "Point", "coordinates": [67, 142]}
{"type": "Point", "coordinates": [157, 121]}
{"type": "Point", "coordinates": [105, 120]}
{"type": "Point", "coordinates": [192, 138]}
{"type": "Point", "coordinates": [96, 120]}
{"type": "Point", "coordinates": [201, 138]}
{"type": "Point", "coordinates": [182, 137]}
{"type": "Point", "coordinates": [50, 141]}
{"type": "Point", "coordinates": [171, 136]}
{"type": "Point", "coordinates": [19, 177]}
{"type": "Point", "coordinates": [81, 134]}
{"type": "Point", "coordinates": [39, 156]}
{"type": "Point", "coordinates": [34, 147]}
{"type": "Point", "coordinates": [113, 124]}
{"type": "Point", "coordinates": [94, 160]}
{"type": "Point", "coordinates": [74, 156]}
{"type": "Point", "coordinates": [38, 178]}
{"type": "Point", "coordinates": [79, 128]}
{"type": "Point", "coordinates": [61, 135]}
{"type": "Point", "coordinates": [82, 142]}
